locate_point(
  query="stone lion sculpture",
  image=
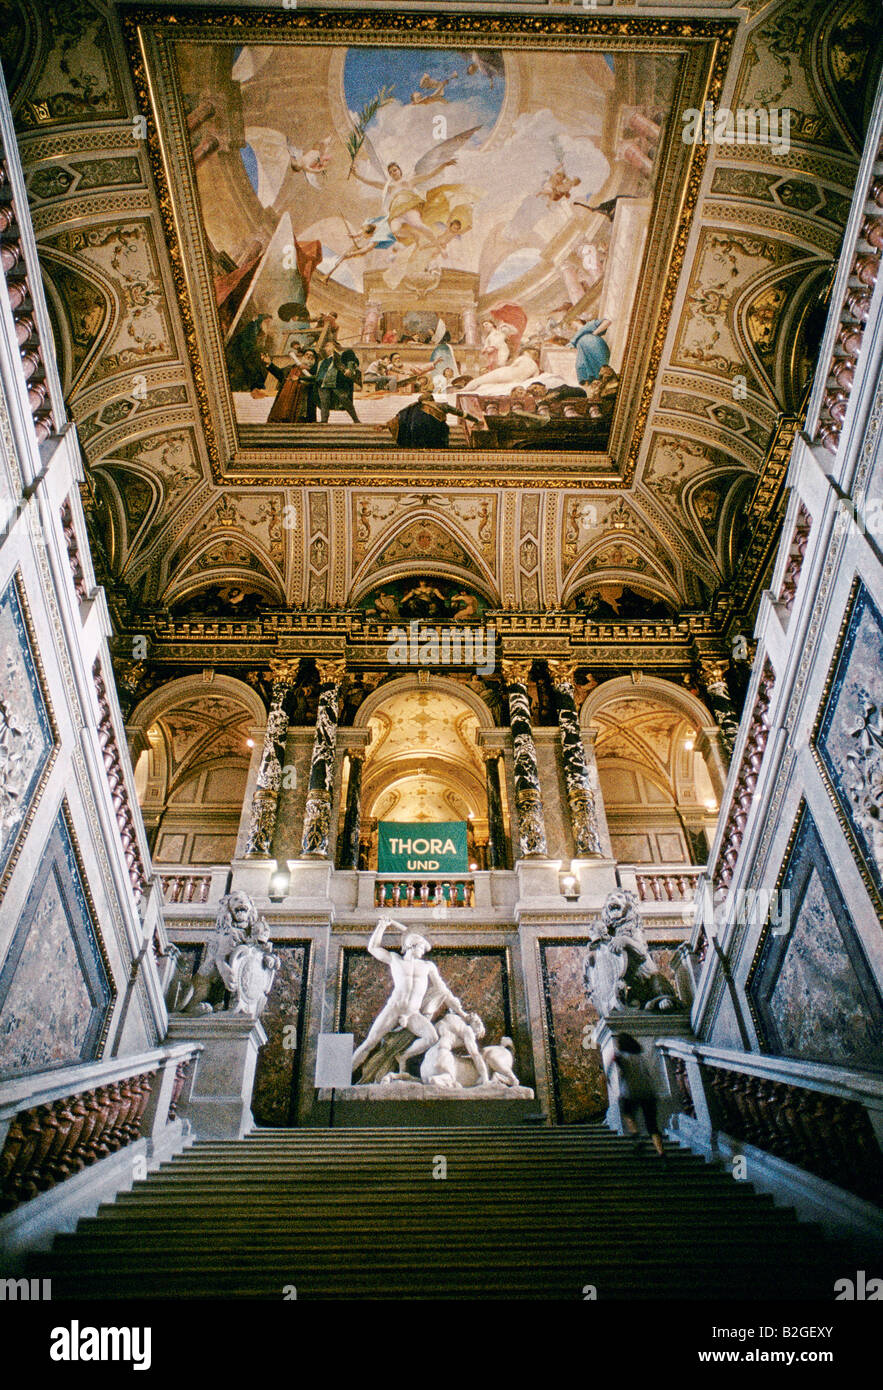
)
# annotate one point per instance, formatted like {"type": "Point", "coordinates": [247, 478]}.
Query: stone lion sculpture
{"type": "Point", "coordinates": [239, 960]}
{"type": "Point", "coordinates": [620, 973]}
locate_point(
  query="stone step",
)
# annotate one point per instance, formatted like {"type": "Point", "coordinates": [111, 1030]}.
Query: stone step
{"type": "Point", "coordinates": [521, 1213]}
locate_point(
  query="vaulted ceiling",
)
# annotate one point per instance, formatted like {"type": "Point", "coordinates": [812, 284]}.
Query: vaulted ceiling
{"type": "Point", "coordinates": [747, 258]}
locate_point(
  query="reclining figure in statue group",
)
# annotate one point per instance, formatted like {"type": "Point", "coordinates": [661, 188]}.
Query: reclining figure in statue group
{"type": "Point", "coordinates": [424, 1018]}
{"type": "Point", "coordinates": [239, 961]}
{"type": "Point", "coordinates": [620, 972]}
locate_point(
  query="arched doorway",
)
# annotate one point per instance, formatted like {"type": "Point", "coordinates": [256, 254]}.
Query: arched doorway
{"type": "Point", "coordinates": [661, 794]}
{"type": "Point", "coordinates": [424, 763]}
{"type": "Point", "coordinates": [191, 775]}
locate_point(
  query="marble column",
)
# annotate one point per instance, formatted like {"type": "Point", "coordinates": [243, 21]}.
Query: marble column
{"type": "Point", "coordinates": [371, 324]}
{"type": "Point", "coordinates": [352, 819]}
{"type": "Point", "coordinates": [722, 707]}
{"type": "Point", "coordinates": [265, 801]}
{"type": "Point", "coordinates": [496, 843]}
{"type": "Point", "coordinates": [580, 795]}
{"type": "Point", "coordinates": [528, 798]}
{"type": "Point", "coordinates": [317, 815]}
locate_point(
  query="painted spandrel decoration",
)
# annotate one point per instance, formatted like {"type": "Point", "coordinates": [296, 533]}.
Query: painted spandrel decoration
{"type": "Point", "coordinates": [620, 972]}
{"type": "Point", "coordinates": [417, 246]}
{"type": "Point", "coordinates": [424, 1024]}
{"type": "Point", "coordinates": [238, 969]}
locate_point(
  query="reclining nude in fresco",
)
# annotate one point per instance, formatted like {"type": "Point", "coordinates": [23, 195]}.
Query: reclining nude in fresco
{"type": "Point", "coordinates": [404, 1028]}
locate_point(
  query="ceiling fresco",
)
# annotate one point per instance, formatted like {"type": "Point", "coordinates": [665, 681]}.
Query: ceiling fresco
{"type": "Point", "coordinates": [359, 224]}
{"type": "Point", "coordinates": [158, 212]}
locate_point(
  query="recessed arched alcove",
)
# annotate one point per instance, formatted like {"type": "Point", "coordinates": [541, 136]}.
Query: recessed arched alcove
{"type": "Point", "coordinates": [191, 775]}
{"type": "Point", "coordinates": [660, 793]}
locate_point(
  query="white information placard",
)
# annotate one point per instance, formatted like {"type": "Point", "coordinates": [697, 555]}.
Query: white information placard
{"type": "Point", "coordinates": [334, 1059]}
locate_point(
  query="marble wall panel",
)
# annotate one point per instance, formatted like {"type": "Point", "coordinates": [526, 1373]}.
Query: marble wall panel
{"type": "Point", "coordinates": [849, 739]}
{"type": "Point", "coordinates": [278, 1076]}
{"type": "Point", "coordinates": [579, 1088]}
{"type": "Point", "coordinates": [26, 736]}
{"type": "Point", "coordinates": [55, 985]}
{"type": "Point", "coordinates": [811, 990]}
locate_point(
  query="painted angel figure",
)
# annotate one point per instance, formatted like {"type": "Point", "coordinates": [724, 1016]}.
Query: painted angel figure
{"type": "Point", "coordinates": [414, 211]}
{"type": "Point", "coordinates": [557, 186]}
{"type": "Point", "coordinates": [313, 164]}
{"type": "Point", "coordinates": [276, 155]}
{"type": "Point", "coordinates": [431, 89]}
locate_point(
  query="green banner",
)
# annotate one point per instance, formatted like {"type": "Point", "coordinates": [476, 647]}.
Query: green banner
{"type": "Point", "coordinates": [406, 847]}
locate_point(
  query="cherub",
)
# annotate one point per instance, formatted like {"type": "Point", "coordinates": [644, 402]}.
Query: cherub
{"type": "Point", "coordinates": [313, 163]}
{"type": "Point", "coordinates": [431, 89]}
{"type": "Point", "coordinates": [557, 186]}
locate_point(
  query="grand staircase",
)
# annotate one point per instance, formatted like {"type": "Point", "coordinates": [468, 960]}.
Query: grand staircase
{"type": "Point", "coordinates": [365, 1213]}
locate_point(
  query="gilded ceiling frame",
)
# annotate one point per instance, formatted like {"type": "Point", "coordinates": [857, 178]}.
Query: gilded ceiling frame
{"type": "Point", "coordinates": [706, 45]}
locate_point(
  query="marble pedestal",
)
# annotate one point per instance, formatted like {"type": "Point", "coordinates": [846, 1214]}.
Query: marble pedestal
{"type": "Point", "coordinates": [219, 1105]}
{"type": "Point", "coordinates": [404, 1104]}
{"type": "Point", "coordinates": [310, 882]}
{"type": "Point", "coordinates": [252, 876]}
{"type": "Point", "coordinates": [645, 1028]}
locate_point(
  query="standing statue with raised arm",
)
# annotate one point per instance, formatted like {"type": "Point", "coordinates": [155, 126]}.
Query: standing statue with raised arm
{"type": "Point", "coordinates": [417, 994]}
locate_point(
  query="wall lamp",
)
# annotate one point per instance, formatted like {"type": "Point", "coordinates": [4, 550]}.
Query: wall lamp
{"type": "Point", "coordinates": [280, 880]}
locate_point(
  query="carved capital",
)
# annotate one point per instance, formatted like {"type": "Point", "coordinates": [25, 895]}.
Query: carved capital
{"type": "Point", "coordinates": [284, 672]}
{"type": "Point", "coordinates": [562, 673]}
{"type": "Point", "coordinates": [516, 671]}
{"type": "Point", "coordinates": [332, 670]}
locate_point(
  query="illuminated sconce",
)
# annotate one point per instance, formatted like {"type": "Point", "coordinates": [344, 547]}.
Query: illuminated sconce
{"type": "Point", "coordinates": [711, 807]}
{"type": "Point", "coordinates": [569, 884]}
{"type": "Point", "coordinates": [249, 743]}
{"type": "Point", "coordinates": [280, 880]}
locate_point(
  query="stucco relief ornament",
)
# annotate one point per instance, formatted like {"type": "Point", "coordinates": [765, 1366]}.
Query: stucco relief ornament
{"type": "Point", "coordinates": [423, 1018]}
{"type": "Point", "coordinates": [317, 821]}
{"type": "Point", "coordinates": [239, 961]}
{"type": "Point", "coordinates": [864, 777]}
{"type": "Point", "coordinates": [620, 973]}
{"type": "Point", "coordinates": [17, 739]}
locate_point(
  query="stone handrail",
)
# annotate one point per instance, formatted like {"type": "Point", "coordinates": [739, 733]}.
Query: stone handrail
{"type": "Point", "coordinates": [55, 1126]}
{"type": "Point", "coordinates": [117, 767]}
{"type": "Point", "coordinates": [827, 1120]}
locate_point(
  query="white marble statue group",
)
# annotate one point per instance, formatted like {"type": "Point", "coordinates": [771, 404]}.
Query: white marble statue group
{"type": "Point", "coordinates": [423, 1018]}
